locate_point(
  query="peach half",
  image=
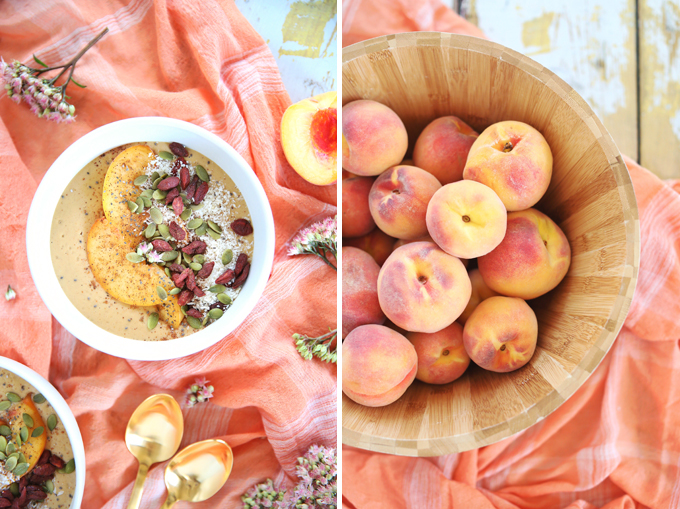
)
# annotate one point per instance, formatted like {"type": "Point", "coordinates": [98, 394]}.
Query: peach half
{"type": "Point", "coordinates": [373, 138]}
{"type": "Point", "coordinates": [441, 355]}
{"type": "Point", "coordinates": [442, 148]}
{"type": "Point", "coordinates": [501, 334]}
{"type": "Point", "coordinates": [309, 138]}
{"type": "Point", "coordinates": [378, 365]}
{"type": "Point", "coordinates": [356, 216]}
{"type": "Point", "coordinates": [423, 289]}
{"type": "Point", "coordinates": [513, 159]}
{"type": "Point", "coordinates": [466, 219]}
{"type": "Point", "coordinates": [360, 304]}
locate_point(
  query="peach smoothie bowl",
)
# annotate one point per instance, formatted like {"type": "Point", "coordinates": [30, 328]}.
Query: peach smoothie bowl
{"type": "Point", "coordinates": [150, 239]}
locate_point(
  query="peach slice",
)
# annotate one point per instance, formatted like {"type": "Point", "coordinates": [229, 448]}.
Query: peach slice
{"type": "Point", "coordinates": [309, 138]}
{"type": "Point", "coordinates": [34, 447]}
{"type": "Point", "coordinates": [441, 355]}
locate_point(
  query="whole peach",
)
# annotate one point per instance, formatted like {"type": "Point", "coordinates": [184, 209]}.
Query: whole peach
{"type": "Point", "coordinates": [532, 259]}
{"type": "Point", "coordinates": [423, 289]}
{"type": "Point", "coordinates": [513, 159]}
{"type": "Point", "coordinates": [501, 334]}
{"type": "Point", "coordinates": [442, 148]}
{"type": "Point", "coordinates": [398, 201]}
{"type": "Point", "coordinates": [480, 292]}
{"type": "Point", "coordinates": [360, 304]}
{"type": "Point", "coordinates": [356, 216]}
{"type": "Point", "coordinates": [441, 355]}
{"type": "Point", "coordinates": [378, 365]}
{"type": "Point", "coordinates": [373, 138]}
{"type": "Point", "coordinates": [377, 243]}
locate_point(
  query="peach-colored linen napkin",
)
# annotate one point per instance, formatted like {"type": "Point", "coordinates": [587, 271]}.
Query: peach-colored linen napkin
{"type": "Point", "coordinates": [616, 442]}
{"type": "Point", "coordinates": [198, 61]}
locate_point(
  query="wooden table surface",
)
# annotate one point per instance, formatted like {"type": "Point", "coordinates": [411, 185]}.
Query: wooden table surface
{"type": "Point", "coordinates": [621, 56]}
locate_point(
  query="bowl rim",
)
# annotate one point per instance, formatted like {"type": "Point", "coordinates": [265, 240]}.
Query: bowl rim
{"type": "Point", "coordinates": [551, 401]}
{"type": "Point", "coordinates": [65, 416]}
{"type": "Point", "coordinates": [95, 143]}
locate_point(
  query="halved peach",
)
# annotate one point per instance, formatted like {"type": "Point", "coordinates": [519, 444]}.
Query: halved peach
{"type": "Point", "coordinates": [309, 138]}
{"type": "Point", "coordinates": [33, 448]}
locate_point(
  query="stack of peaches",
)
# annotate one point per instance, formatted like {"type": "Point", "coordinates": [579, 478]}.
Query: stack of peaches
{"type": "Point", "coordinates": [414, 304]}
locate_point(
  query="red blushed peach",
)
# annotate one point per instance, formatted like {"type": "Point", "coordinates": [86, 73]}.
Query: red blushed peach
{"type": "Point", "coordinates": [423, 289]}
{"type": "Point", "coordinates": [360, 304]}
{"type": "Point", "coordinates": [501, 334]}
{"type": "Point", "coordinates": [378, 365]}
{"type": "Point", "coordinates": [398, 201]}
{"type": "Point", "coordinates": [466, 219]}
{"type": "Point", "coordinates": [377, 243]}
{"type": "Point", "coordinates": [441, 355]}
{"type": "Point", "coordinates": [480, 292]}
{"type": "Point", "coordinates": [532, 259]}
{"type": "Point", "coordinates": [309, 138]}
{"type": "Point", "coordinates": [442, 148]}
{"type": "Point", "coordinates": [373, 138]}
{"type": "Point", "coordinates": [513, 159]}
{"type": "Point", "coordinates": [356, 216]}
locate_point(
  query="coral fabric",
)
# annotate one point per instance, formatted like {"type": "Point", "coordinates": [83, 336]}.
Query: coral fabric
{"type": "Point", "coordinates": [616, 442]}
{"type": "Point", "coordinates": [198, 61]}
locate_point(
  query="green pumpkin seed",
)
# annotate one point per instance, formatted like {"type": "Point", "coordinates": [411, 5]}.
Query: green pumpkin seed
{"type": "Point", "coordinates": [205, 320]}
{"type": "Point", "coordinates": [132, 206]}
{"type": "Point", "coordinates": [37, 432]}
{"type": "Point", "coordinates": [70, 467]}
{"type": "Point", "coordinates": [217, 289]}
{"type": "Point", "coordinates": [150, 230]}
{"type": "Point", "coordinates": [201, 230]}
{"type": "Point", "coordinates": [52, 422]}
{"type": "Point", "coordinates": [184, 309]}
{"type": "Point", "coordinates": [2, 456]}
{"type": "Point", "coordinates": [147, 201]}
{"type": "Point", "coordinates": [167, 272]}
{"type": "Point", "coordinates": [147, 193]}
{"type": "Point", "coordinates": [23, 434]}
{"type": "Point", "coordinates": [5, 431]}
{"type": "Point", "coordinates": [227, 256]}
{"type": "Point", "coordinates": [159, 195]}
{"type": "Point", "coordinates": [39, 398]}
{"type": "Point", "coordinates": [14, 455]}
{"type": "Point", "coordinates": [21, 469]}
{"type": "Point", "coordinates": [199, 258]}
{"type": "Point", "coordinates": [214, 226]}
{"type": "Point", "coordinates": [140, 205]}
{"type": "Point", "coordinates": [150, 324]}
{"type": "Point", "coordinates": [161, 292]}
{"type": "Point", "coordinates": [196, 266]}
{"type": "Point", "coordinates": [10, 449]}
{"type": "Point", "coordinates": [194, 223]}
{"type": "Point", "coordinates": [14, 488]}
{"type": "Point", "coordinates": [168, 256]}
{"type": "Point", "coordinates": [141, 180]}
{"type": "Point", "coordinates": [22, 458]}
{"type": "Point", "coordinates": [185, 201]}
{"type": "Point", "coordinates": [4, 405]}
{"type": "Point", "coordinates": [155, 175]}
{"type": "Point", "coordinates": [28, 420]}
{"type": "Point", "coordinates": [49, 486]}
{"type": "Point", "coordinates": [174, 291]}
{"type": "Point", "coordinates": [156, 215]}
{"type": "Point", "coordinates": [13, 397]}
{"type": "Point", "coordinates": [3, 444]}
{"type": "Point", "coordinates": [164, 230]}
{"type": "Point", "coordinates": [224, 298]}
{"type": "Point", "coordinates": [185, 215]}
{"type": "Point", "coordinates": [202, 173]}
{"type": "Point", "coordinates": [197, 207]}
{"type": "Point", "coordinates": [11, 464]}
{"type": "Point", "coordinates": [214, 234]}
{"type": "Point", "coordinates": [19, 442]}
{"type": "Point", "coordinates": [156, 182]}
{"type": "Point", "coordinates": [166, 155]}
{"type": "Point", "coordinates": [187, 258]}
{"type": "Point", "coordinates": [215, 313]}
{"type": "Point", "coordinates": [134, 257]}
{"type": "Point", "coordinates": [194, 322]}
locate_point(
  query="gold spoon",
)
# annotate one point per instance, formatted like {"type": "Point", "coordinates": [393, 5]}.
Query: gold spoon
{"type": "Point", "coordinates": [198, 472]}
{"type": "Point", "coordinates": [153, 434]}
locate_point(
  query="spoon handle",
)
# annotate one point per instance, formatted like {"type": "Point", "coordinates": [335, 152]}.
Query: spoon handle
{"type": "Point", "coordinates": [169, 502]}
{"type": "Point", "coordinates": [137, 489]}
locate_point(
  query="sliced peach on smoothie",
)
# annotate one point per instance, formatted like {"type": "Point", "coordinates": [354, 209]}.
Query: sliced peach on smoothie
{"type": "Point", "coordinates": [24, 414]}
{"type": "Point", "coordinates": [309, 138]}
{"type": "Point", "coordinates": [441, 355]}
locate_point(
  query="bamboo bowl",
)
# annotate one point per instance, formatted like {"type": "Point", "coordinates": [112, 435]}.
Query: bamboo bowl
{"type": "Point", "coordinates": [425, 75]}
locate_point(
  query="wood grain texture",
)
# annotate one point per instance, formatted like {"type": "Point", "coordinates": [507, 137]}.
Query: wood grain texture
{"type": "Point", "coordinates": [425, 75]}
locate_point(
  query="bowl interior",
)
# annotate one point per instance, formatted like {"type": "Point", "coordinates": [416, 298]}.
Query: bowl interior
{"type": "Point", "coordinates": [73, 160]}
{"type": "Point", "coordinates": [425, 75]}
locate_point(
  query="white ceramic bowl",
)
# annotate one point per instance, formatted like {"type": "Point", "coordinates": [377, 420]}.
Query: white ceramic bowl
{"type": "Point", "coordinates": [95, 143]}
{"type": "Point", "coordinates": [65, 417]}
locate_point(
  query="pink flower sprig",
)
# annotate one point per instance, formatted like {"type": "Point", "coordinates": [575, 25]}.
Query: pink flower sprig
{"type": "Point", "coordinates": [319, 240]}
{"type": "Point", "coordinates": [199, 392]}
{"type": "Point", "coordinates": [45, 99]}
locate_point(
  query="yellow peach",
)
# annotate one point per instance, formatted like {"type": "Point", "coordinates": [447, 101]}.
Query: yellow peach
{"type": "Point", "coordinates": [441, 355]}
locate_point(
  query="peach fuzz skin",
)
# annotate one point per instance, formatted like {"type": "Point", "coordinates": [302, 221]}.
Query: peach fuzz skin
{"type": "Point", "coordinates": [356, 216]}
{"type": "Point", "coordinates": [441, 355]}
{"type": "Point", "coordinates": [377, 243]}
{"type": "Point", "coordinates": [442, 148]}
{"type": "Point", "coordinates": [466, 219]}
{"type": "Point", "coordinates": [480, 292]}
{"type": "Point", "coordinates": [378, 365]}
{"type": "Point", "coordinates": [373, 138]}
{"type": "Point", "coordinates": [423, 289]}
{"type": "Point", "coordinates": [531, 260]}
{"type": "Point", "coordinates": [513, 159]}
{"type": "Point", "coordinates": [360, 304]}
{"type": "Point", "coordinates": [398, 201]}
{"type": "Point", "coordinates": [501, 334]}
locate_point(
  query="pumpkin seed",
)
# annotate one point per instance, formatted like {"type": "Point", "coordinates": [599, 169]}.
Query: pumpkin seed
{"type": "Point", "coordinates": [214, 234]}
{"type": "Point", "coordinates": [156, 215]}
{"type": "Point", "coordinates": [141, 180]}
{"type": "Point", "coordinates": [4, 405]}
{"type": "Point", "coordinates": [21, 469]}
{"type": "Point", "coordinates": [167, 272]}
{"type": "Point", "coordinates": [201, 230]}
{"type": "Point", "coordinates": [205, 320]}
{"type": "Point", "coordinates": [150, 230]}
{"type": "Point", "coordinates": [5, 431]}
{"type": "Point", "coordinates": [134, 257]}
{"type": "Point", "coordinates": [23, 433]}
{"type": "Point", "coordinates": [164, 230]}
{"type": "Point", "coordinates": [14, 488]}
{"type": "Point", "coordinates": [215, 313]}
{"type": "Point", "coordinates": [224, 298]}
{"type": "Point", "coordinates": [199, 258]}
{"type": "Point", "coordinates": [215, 226]}
{"type": "Point", "coordinates": [11, 464]}
{"type": "Point", "coordinates": [14, 455]}
{"type": "Point", "coordinates": [185, 201]}
{"type": "Point", "coordinates": [195, 266]}
{"type": "Point", "coordinates": [140, 205]}
{"type": "Point", "coordinates": [2, 456]}
{"type": "Point", "coordinates": [174, 291]}
{"type": "Point", "coordinates": [22, 458]}
{"type": "Point", "coordinates": [197, 207]}
{"type": "Point", "coordinates": [168, 256]}
{"type": "Point", "coordinates": [3, 443]}
{"type": "Point", "coordinates": [28, 420]}
{"type": "Point", "coordinates": [146, 200]}
{"type": "Point", "coordinates": [227, 256]}
{"type": "Point", "coordinates": [150, 324]}
{"type": "Point", "coordinates": [166, 155]}
{"type": "Point", "coordinates": [184, 309]}
{"type": "Point", "coordinates": [13, 397]}
{"type": "Point", "coordinates": [10, 449]}
{"type": "Point", "coordinates": [159, 195]}
{"type": "Point", "coordinates": [217, 289]}
{"type": "Point", "coordinates": [147, 193]}
{"type": "Point", "coordinates": [202, 174]}
{"type": "Point", "coordinates": [194, 322]}
{"type": "Point", "coordinates": [161, 292]}
{"type": "Point", "coordinates": [156, 182]}
{"type": "Point", "coordinates": [70, 467]}
{"type": "Point", "coordinates": [39, 398]}
{"type": "Point", "coordinates": [155, 175]}
{"type": "Point", "coordinates": [132, 206]}
{"type": "Point", "coordinates": [37, 432]}
{"type": "Point", "coordinates": [19, 442]}
{"type": "Point", "coordinates": [194, 223]}
{"type": "Point", "coordinates": [187, 258]}
{"type": "Point", "coordinates": [49, 486]}
{"type": "Point", "coordinates": [51, 422]}
{"type": "Point", "coordinates": [186, 214]}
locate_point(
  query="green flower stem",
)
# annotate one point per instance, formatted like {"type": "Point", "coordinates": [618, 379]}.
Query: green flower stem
{"type": "Point", "coordinates": [72, 63]}
{"type": "Point", "coordinates": [317, 347]}
{"type": "Point", "coordinates": [323, 255]}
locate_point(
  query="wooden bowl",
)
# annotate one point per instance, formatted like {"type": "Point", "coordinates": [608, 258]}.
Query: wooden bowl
{"type": "Point", "coordinates": [426, 75]}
